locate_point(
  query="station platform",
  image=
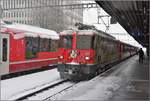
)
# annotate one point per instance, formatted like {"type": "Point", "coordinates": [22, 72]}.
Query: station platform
{"type": "Point", "coordinates": [136, 87]}
{"type": "Point", "coordinates": [126, 81]}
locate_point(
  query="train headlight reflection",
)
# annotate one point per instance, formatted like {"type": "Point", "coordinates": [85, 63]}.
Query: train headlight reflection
{"type": "Point", "coordinates": [87, 58]}
{"type": "Point", "coordinates": [61, 57]}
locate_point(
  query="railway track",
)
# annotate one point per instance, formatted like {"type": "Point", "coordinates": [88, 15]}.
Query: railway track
{"type": "Point", "coordinates": [49, 98]}
{"type": "Point", "coordinates": [35, 95]}
{"type": "Point", "coordinates": [106, 72]}
{"type": "Point", "coordinates": [24, 97]}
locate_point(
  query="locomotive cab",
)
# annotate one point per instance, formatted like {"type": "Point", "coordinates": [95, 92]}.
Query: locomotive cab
{"type": "Point", "coordinates": [76, 53]}
{"type": "Point", "coordinates": [76, 48]}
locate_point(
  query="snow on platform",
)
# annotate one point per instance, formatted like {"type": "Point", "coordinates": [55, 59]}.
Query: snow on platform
{"type": "Point", "coordinates": [99, 88]}
{"type": "Point", "coordinates": [118, 84]}
{"type": "Point", "coordinates": [15, 86]}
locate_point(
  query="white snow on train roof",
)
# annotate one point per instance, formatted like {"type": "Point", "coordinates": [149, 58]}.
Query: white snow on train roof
{"type": "Point", "coordinates": [67, 32]}
{"type": "Point", "coordinates": [79, 32]}
{"type": "Point", "coordinates": [88, 32]}
{"type": "Point", "coordinates": [30, 31]}
{"type": "Point", "coordinates": [105, 35]}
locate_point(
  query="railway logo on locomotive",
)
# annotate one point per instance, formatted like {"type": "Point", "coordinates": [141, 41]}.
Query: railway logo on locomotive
{"type": "Point", "coordinates": [73, 54]}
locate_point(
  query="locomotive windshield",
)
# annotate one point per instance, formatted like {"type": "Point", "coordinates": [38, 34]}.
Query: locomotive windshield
{"type": "Point", "coordinates": [66, 41]}
{"type": "Point", "coordinates": [84, 41]}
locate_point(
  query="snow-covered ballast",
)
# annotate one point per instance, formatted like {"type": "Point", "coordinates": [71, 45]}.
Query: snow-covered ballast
{"type": "Point", "coordinates": [22, 30]}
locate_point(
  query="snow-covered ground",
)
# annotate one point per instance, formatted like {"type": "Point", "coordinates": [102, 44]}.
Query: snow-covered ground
{"type": "Point", "coordinates": [51, 92]}
{"type": "Point", "coordinates": [97, 89]}
{"type": "Point", "coordinates": [11, 88]}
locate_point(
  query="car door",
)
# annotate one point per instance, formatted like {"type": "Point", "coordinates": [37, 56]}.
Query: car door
{"type": "Point", "coordinates": [4, 54]}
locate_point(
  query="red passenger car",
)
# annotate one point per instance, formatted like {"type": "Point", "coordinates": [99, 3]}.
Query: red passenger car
{"type": "Point", "coordinates": [85, 53]}
{"type": "Point", "coordinates": [25, 47]}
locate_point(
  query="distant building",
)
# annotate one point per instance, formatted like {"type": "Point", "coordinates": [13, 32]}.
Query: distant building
{"type": "Point", "coordinates": [44, 13]}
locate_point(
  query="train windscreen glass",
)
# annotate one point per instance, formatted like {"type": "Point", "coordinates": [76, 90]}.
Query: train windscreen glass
{"type": "Point", "coordinates": [66, 41]}
{"type": "Point", "coordinates": [84, 41]}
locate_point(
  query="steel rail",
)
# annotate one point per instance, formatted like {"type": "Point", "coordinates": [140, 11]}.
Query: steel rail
{"type": "Point", "coordinates": [48, 98]}
{"type": "Point", "coordinates": [41, 90]}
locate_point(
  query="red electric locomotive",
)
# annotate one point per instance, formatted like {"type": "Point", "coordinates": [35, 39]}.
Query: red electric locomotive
{"type": "Point", "coordinates": [85, 53]}
{"type": "Point", "coordinates": [25, 47]}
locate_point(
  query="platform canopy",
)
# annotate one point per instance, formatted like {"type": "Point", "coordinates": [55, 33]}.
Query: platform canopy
{"type": "Point", "coordinates": [133, 15]}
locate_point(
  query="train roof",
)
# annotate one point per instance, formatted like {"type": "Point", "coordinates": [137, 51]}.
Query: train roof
{"type": "Point", "coordinates": [88, 32]}
{"type": "Point", "coordinates": [128, 44]}
{"type": "Point", "coordinates": [79, 32]}
{"type": "Point", "coordinates": [23, 30]}
{"type": "Point", "coordinates": [105, 35]}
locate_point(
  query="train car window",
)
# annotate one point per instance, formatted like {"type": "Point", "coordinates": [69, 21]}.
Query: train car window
{"type": "Point", "coordinates": [84, 41]}
{"type": "Point", "coordinates": [54, 45]}
{"type": "Point", "coordinates": [45, 45]}
{"type": "Point", "coordinates": [66, 41]}
{"type": "Point", "coordinates": [126, 48]}
{"type": "Point", "coordinates": [5, 49]}
{"type": "Point", "coordinates": [31, 47]}
{"type": "Point", "coordinates": [113, 49]}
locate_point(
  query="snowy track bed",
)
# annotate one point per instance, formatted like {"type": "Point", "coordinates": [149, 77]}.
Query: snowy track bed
{"type": "Point", "coordinates": [19, 86]}
{"type": "Point", "coordinates": [36, 90]}
{"type": "Point", "coordinates": [59, 92]}
{"type": "Point", "coordinates": [51, 92]}
{"type": "Point", "coordinates": [96, 89]}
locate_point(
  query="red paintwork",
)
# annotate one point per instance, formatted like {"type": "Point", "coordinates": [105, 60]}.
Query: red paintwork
{"type": "Point", "coordinates": [80, 57]}
{"type": "Point", "coordinates": [29, 66]}
{"type": "Point", "coordinates": [17, 49]}
{"type": "Point", "coordinates": [17, 54]}
{"type": "Point", "coordinates": [81, 54]}
{"type": "Point", "coordinates": [132, 50]}
{"type": "Point", "coordinates": [46, 55]}
{"type": "Point", "coordinates": [74, 40]}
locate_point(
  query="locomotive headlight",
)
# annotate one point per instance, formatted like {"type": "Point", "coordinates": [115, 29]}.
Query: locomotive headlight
{"type": "Point", "coordinates": [87, 58]}
{"type": "Point", "coordinates": [61, 57]}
